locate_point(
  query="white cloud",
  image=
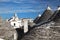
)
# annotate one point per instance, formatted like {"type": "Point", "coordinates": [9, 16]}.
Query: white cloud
{"type": "Point", "coordinates": [20, 1]}
{"type": "Point", "coordinates": [21, 11]}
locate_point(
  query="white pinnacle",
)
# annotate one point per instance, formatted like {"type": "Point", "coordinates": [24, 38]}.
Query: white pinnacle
{"type": "Point", "coordinates": [39, 15]}
{"type": "Point", "coordinates": [58, 8]}
{"type": "Point", "coordinates": [48, 8]}
{"type": "Point", "coordinates": [15, 14]}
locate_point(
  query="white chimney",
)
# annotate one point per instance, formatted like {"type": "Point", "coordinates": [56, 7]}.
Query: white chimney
{"type": "Point", "coordinates": [25, 25]}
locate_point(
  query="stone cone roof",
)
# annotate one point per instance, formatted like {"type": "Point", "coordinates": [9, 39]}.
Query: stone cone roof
{"type": "Point", "coordinates": [44, 17]}
{"type": "Point", "coordinates": [56, 17]}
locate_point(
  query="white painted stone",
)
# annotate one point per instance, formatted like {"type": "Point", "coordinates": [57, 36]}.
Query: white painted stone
{"type": "Point", "coordinates": [1, 39]}
{"type": "Point", "coordinates": [15, 35]}
{"type": "Point", "coordinates": [25, 26]}
{"type": "Point", "coordinates": [48, 27]}
{"type": "Point", "coordinates": [16, 24]}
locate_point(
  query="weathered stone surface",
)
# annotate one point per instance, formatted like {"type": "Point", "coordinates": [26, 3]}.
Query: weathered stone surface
{"type": "Point", "coordinates": [42, 33]}
{"type": "Point", "coordinates": [6, 31]}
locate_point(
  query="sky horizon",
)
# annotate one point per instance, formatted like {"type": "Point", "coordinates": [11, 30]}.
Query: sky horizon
{"type": "Point", "coordinates": [25, 8]}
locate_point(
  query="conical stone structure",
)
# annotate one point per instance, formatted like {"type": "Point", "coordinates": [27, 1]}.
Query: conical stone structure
{"type": "Point", "coordinates": [45, 16]}
{"type": "Point", "coordinates": [44, 33]}
{"type": "Point", "coordinates": [56, 17]}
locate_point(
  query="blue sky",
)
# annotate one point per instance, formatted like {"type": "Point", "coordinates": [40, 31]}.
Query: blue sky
{"type": "Point", "coordinates": [25, 8]}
